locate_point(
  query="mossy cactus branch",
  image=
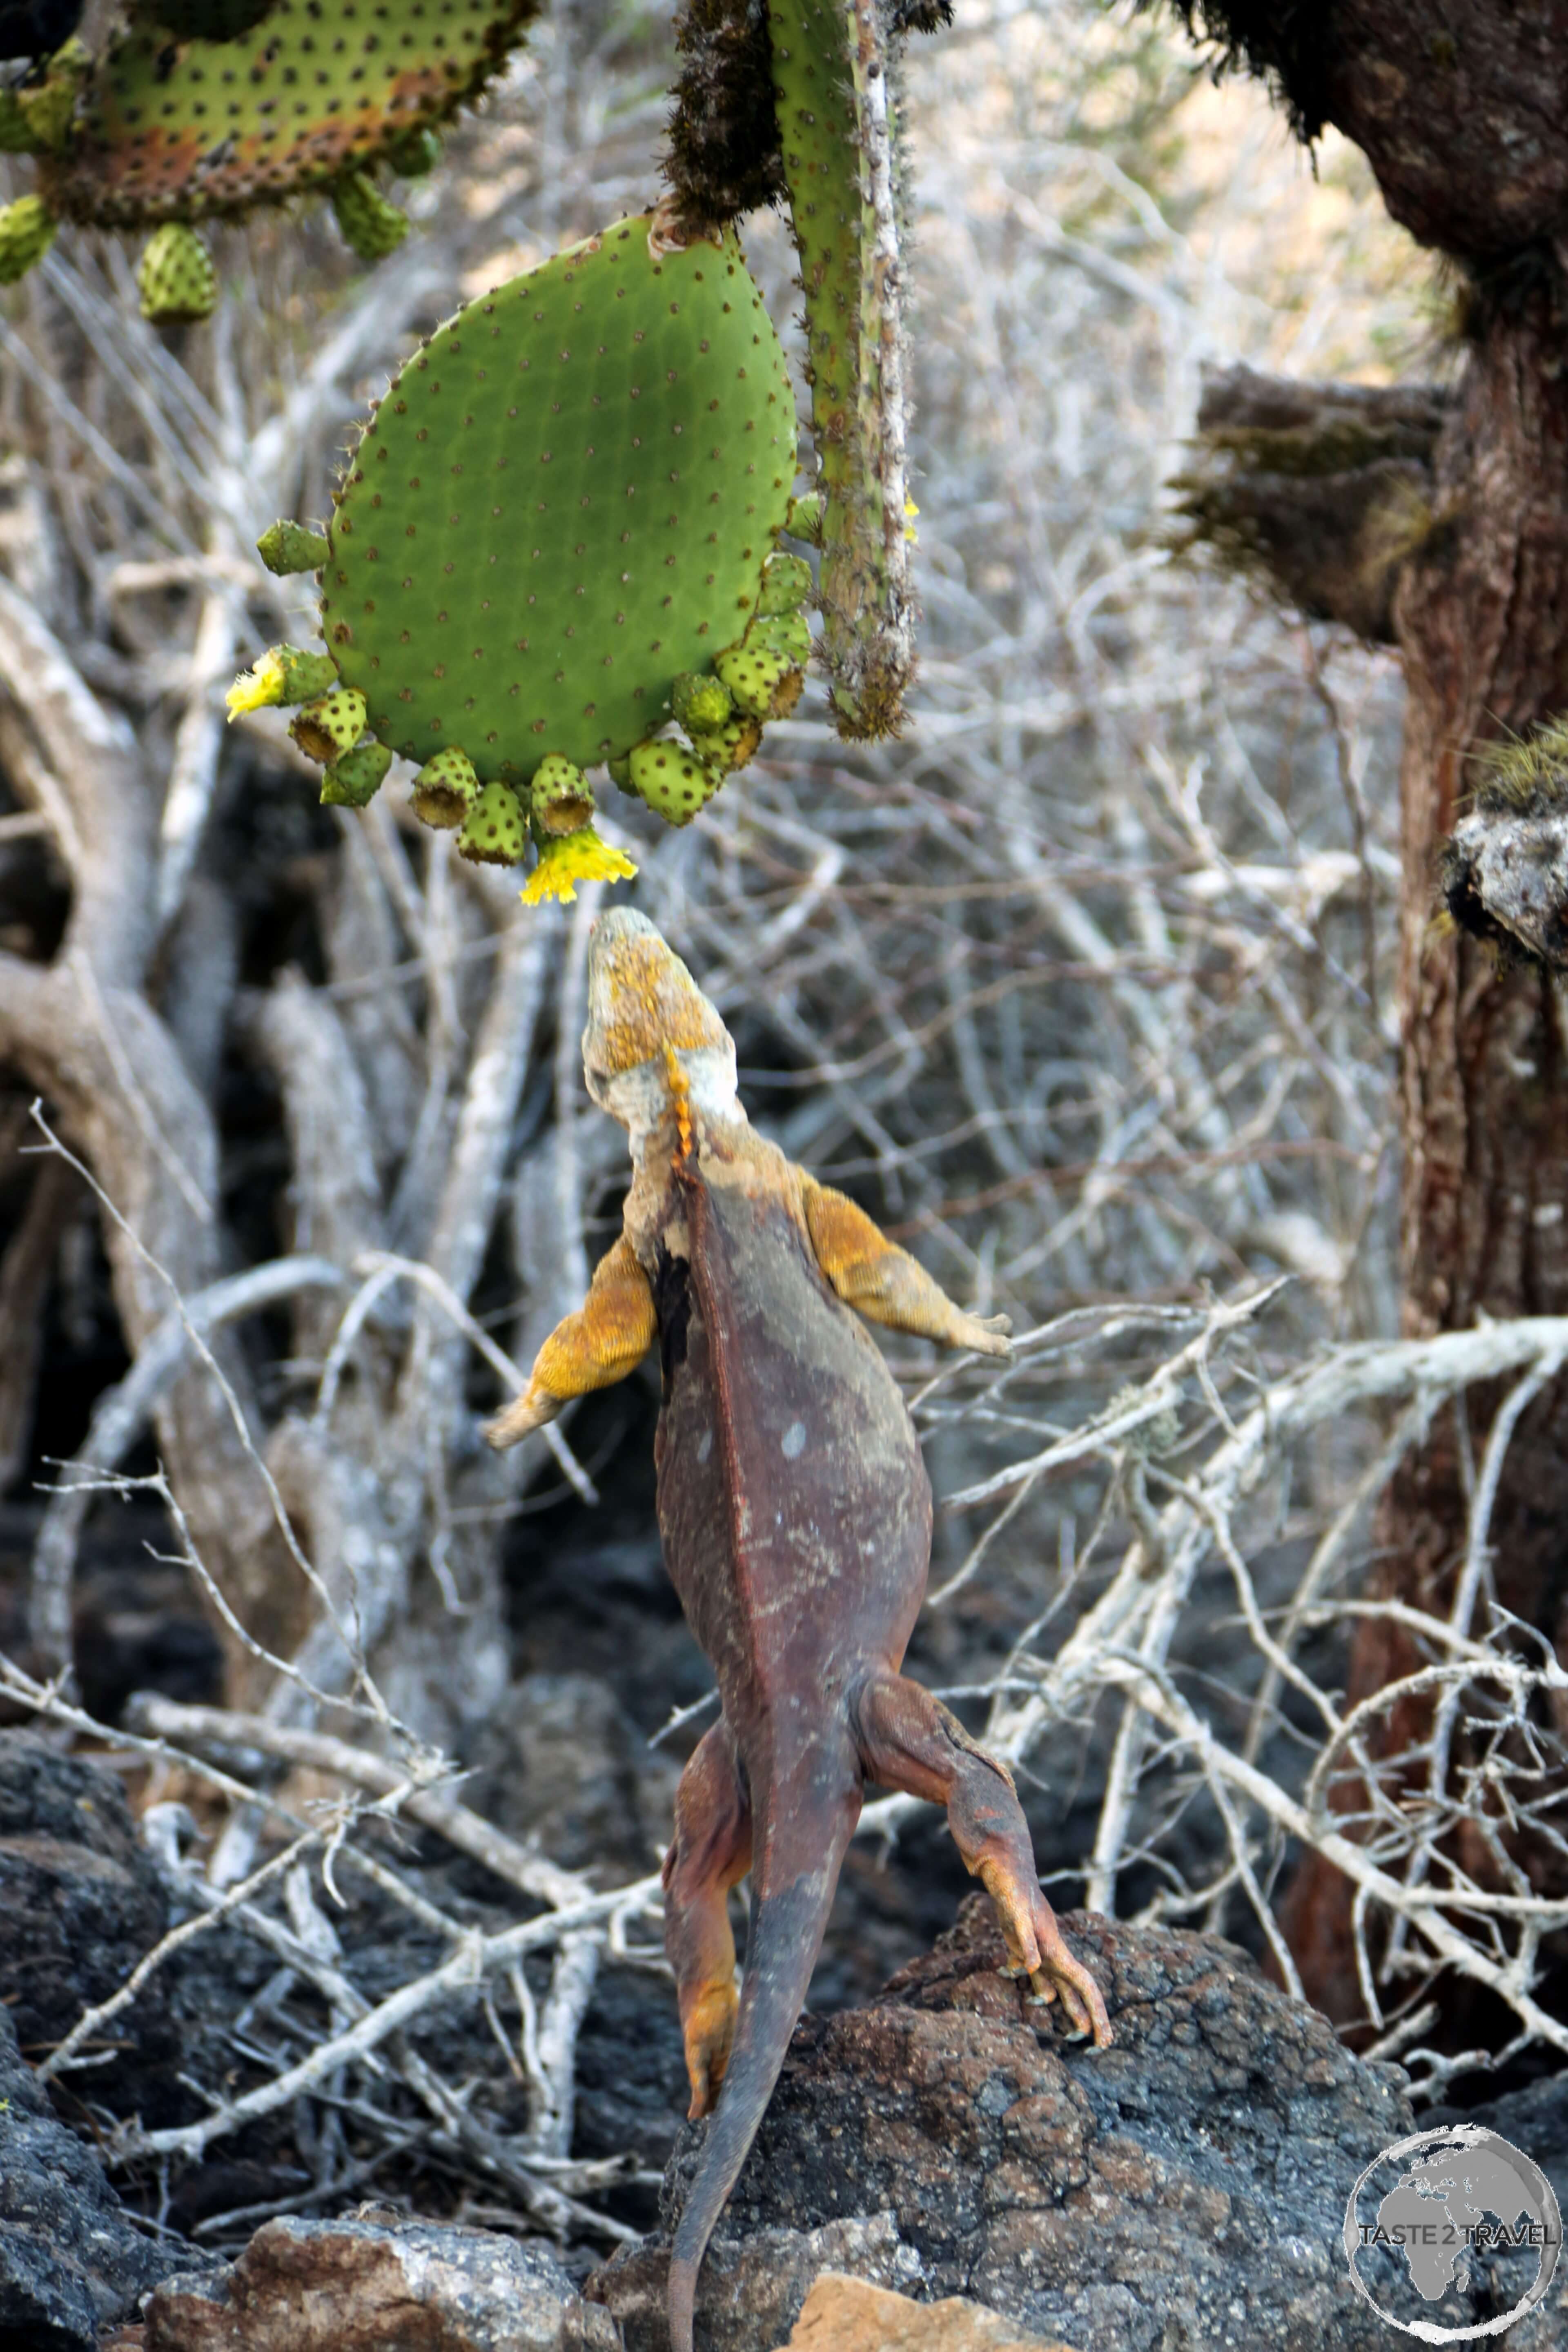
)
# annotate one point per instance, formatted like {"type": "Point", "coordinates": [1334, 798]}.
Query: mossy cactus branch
{"type": "Point", "coordinates": [723, 154]}
{"type": "Point", "coordinates": [832, 67]}
{"type": "Point", "coordinates": [1323, 491]}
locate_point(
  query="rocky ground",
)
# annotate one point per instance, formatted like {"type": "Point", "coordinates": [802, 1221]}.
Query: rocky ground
{"type": "Point", "coordinates": [939, 2144]}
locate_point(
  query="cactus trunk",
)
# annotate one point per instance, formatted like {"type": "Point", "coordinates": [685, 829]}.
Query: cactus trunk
{"type": "Point", "coordinates": [831, 67]}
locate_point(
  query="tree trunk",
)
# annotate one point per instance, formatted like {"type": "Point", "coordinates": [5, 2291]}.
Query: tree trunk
{"type": "Point", "coordinates": [1481, 616]}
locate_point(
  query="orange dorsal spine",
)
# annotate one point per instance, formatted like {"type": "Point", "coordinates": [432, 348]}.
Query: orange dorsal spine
{"type": "Point", "coordinates": [681, 1096]}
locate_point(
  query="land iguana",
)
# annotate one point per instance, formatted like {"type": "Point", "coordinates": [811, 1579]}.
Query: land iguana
{"type": "Point", "coordinates": [796, 1519]}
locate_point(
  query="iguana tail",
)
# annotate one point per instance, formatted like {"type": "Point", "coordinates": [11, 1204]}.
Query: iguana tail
{"type": "Point", "coordinates": [789, 1917]}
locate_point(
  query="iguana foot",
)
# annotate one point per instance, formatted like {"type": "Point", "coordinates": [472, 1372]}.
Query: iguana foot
{"type": "Point", "coordinates": [711, 1851]}
{"type": "Point", "coordinates": [909, 1741]}
{"type": "Point", "coordinates": [708, 2027]}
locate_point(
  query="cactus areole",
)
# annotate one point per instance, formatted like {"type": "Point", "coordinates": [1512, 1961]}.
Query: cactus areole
{"type": "Point", "coordinates": [564, 501]}
{"type": "Point", "coordinates": [174, 128]}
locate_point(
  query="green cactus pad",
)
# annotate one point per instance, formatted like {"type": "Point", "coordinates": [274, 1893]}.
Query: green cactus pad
{"type": "Point", "coordinates": [371, 227]}
{"type": "Point", "coordinates": [786, 585]}
{"type": "Point", "coordinates": [702, 702]}
{"type": "Point", "coordinates": [672, 781]}
{"type": "Point", "coordinates": [175, 277]}
{"type": "Point", "coordinates": [804, 520]}
{"type": "Point", "coordinates": [562, 798]}
{"type": "Point", "coordinates": [564, 501]}
{"type": "Point", "coordinates": [26, 233]}
{"type": "Point", "coordinates": [325, 730]}
{"type": "Point", "coordinates": [286, 547]}
{"type": "Point", "coordinates": [446, 789]}
{"type": "Point", "coordinates": [174, 131]}
{"type": "Point", "coordinates": [354, 781]}
{"type": "Point", "coordinates": [200, 20]}
{"type": "Point", "coordinates": [496, 830]}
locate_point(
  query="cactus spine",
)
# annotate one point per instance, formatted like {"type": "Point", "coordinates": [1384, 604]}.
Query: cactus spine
{"type": "Point", "coordinates": [830, 65]}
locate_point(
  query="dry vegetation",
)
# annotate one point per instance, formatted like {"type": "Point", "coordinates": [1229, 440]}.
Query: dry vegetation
{"type": "Point", "coordinates": [1084, 989]}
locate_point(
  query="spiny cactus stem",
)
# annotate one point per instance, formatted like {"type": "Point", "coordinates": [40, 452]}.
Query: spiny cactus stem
{"type": "Point", "coordinates": [836, 121]}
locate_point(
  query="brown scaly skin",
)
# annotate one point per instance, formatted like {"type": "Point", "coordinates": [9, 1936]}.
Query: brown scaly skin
{"type": "Point", "coordinates": [795, 1515]}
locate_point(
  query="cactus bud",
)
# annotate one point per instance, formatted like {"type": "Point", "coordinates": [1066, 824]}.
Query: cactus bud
{"type": "Point", "coordinates": [702, 703]}
{"type": "Point", "coordinates": [286, 547]}
{"type": "Point", "coordinates": [175, 277]}
{"type": "Point", "coordinates": [26, 233]}
{"type": "Point", "coordinates": [760, 680]}
{"type": "Point", "coordinates": [354, 781]}
{"type": "Point", "coordinates": [371, 227]}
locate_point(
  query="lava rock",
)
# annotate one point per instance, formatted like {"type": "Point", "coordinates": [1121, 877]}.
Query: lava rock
{"type": "Point", "coordinates": [378, 2285]}
{"type": "Point", "coordinates": [1185, 2188]}
{"type": "Point", "coordinates": [72, 2263]}
{"type": "Point", "coordinates": [81, 1903]}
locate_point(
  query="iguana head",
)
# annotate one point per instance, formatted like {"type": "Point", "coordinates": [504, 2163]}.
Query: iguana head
{"type": "Point", "coordinates": [651, 1032]}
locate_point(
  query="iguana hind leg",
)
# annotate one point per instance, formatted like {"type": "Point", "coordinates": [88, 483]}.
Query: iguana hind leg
{"type": "Point", "coordinates": [711, 1853]}
{"type": "Point", "coordinates": [883, 1282]}
{"type": "Point", "coordinates": [607, 1337]}
{"type": "Point", "coordinates": [909, 1741]}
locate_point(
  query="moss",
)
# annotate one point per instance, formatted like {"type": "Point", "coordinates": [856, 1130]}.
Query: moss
{"type": "Point", "coordinates": [1522, 775]}
{"type": "Point", "coordinates": [723, 156]}
{"type": "Point", "coordinates": [1286, 43]}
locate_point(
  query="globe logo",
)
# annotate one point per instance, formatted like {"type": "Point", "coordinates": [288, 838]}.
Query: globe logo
{"type": "Point", "coordinates": [1448, 2221]}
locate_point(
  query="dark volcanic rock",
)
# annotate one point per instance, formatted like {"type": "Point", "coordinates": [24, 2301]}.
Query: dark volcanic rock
{"type": "Point", "coordinates": [1183, 2190]}
{"type": "Point", "coordinates": [377, 2283]}
{"type": "Point", "coordinates": [81, 1902]}
{"type": "Point", "coordinates": [71, 2262]}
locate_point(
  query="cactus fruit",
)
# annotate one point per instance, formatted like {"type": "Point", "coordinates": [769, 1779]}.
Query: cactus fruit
{"type": "Point", "coordinates": [444, 790]}
{"type": "Point", "coordinates": [704, 703]}
{"type": "Point", "coordinates": [175, 277]}
{"type": "Point", "coordinates": [725, 749]}
{"type": "Point", "coordinates": [495, 832]}
{"type": "Point", "coordinates": [562, 800]}
{"type": "Point", "coordinates": [286, 547]}
{"type": "Point", "coordinates": [787, 635]}
{"type": "Point", "coordinates": [831, 87]}
{"type": "Point", "coordinates": [786, 585]}
{"type": "Point", "coordinates": [284, 675]}
{"type": "Point", "coordinates": [26, 233]}
{"type": "Point", "coordinates": [330, 725]}
{"type": "Point", "coordinates": [413, 154]}
{"type": "Point", "coordinates": [563, 501]}
{"type": "Point", "coordinates": [761, 682]}
{"type": "Point", "coordinates": [245, 102]}
{"type": "Point", "coordinates": [354, 780]}
{"type": "Point", "coordinates": [672, 781]}
{"type": "Point", "coordinates": [371, 227]}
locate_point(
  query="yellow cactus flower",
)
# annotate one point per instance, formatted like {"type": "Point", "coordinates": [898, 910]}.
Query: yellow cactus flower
{"type": "Point", "coordinates": [910, 511]}
{"type": "Point", "coordinates": [575, 857]}
{"type": "Point", "coordinates": [261, 688]}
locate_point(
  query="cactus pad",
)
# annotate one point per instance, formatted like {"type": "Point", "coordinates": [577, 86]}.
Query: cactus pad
{"type": "Point", "coordinates": [176, 130]}
{"type": "Point", "coordinates": [564, 501]}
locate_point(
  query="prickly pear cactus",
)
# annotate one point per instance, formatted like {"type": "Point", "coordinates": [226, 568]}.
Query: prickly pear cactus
{"type": "Point", "coordinates": [231, 105]}
{"type": "Point", "coordinates": [557, 532]}
{"type": "Point", "coordinates": [835, 108]}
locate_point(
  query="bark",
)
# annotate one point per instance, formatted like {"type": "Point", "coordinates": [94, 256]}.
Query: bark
{"type": "Point", "coordinates": [1481, 615]}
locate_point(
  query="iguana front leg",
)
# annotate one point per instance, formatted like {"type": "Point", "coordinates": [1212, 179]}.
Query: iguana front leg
{"type": "Point", "coordinates": [883, 1282]}
{"type": "Point", "coordinates": [607, 1337]}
